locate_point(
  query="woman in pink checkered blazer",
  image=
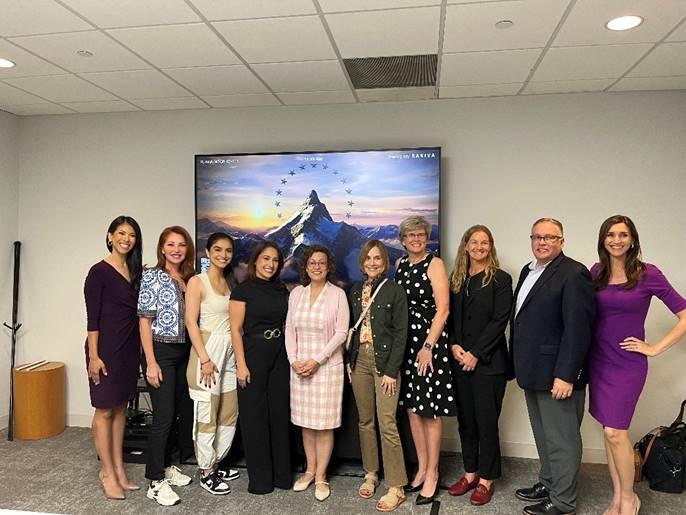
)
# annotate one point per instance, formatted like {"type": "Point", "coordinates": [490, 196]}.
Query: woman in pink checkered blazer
{"type": "Point", "coordinates": [316, 328]}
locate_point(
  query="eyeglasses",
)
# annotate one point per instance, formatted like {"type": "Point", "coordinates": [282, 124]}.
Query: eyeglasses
{"type": "Point", "coordinates": [416, 236]}
{"type": "Point", "coordinates": [548, 238]}
{"type": "Point", "coordinates": [315, 264]}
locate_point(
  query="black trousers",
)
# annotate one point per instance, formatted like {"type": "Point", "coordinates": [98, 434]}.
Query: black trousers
{"type": "Point", "coordinates": [479, 402]}
{"type": "Point", "coordinates": [170, 400]}
{"type": "Point", "coordinates": [264, 415]}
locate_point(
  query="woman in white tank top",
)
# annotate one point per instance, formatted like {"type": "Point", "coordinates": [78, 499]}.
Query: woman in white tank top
{"type": "Point", "coordinates": [212, 366]}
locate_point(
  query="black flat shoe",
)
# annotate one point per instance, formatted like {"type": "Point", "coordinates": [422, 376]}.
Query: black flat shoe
{"type": "Point", "coordinates": [420, 500]}
{"type": "Point", "coordinates": [409, 489]}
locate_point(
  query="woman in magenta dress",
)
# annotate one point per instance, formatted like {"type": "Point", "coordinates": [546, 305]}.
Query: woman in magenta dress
{"type": "Point", "coordinates": [113, 347]}
{"type": "Point", "coordinates": [618, 362]}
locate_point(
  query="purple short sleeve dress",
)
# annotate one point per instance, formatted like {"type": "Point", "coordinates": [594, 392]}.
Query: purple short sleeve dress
{"type": "Point", "coordinates": [111, 310]}
{"type": "Point", "coordinates": [617, 376]}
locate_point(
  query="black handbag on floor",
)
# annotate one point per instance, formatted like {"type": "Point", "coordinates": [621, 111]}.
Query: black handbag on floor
{"type": "Point", "coordinates": [663, 456]}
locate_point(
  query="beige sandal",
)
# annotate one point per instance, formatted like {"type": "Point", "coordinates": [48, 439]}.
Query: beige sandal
{"type": "Point", "coordinates": [368, 488]}
{"type": "Point", "coordinates": [393, 498]}
{"type": "Point", "coordinates": [303, 482]}
{"type": "Point", "coordinates": [321, 490]}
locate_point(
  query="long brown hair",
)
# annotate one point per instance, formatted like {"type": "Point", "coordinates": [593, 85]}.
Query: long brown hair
{"type": "Point", "coordinates": [633, 266]}
{"type": "Point", "coordinates": [259, 249]}
{"type": "Point", "coordinates": [187, 268]}
{"type": "Point", "coordinates": [462, 260]}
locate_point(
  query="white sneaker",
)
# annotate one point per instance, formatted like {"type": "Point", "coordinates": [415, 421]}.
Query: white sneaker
{"type": "Point", "coordinates": [175, 477]}
{"type": "Point", "coordinates": [161, 492]}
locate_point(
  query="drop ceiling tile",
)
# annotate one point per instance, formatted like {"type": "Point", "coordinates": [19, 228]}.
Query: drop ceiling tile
{"type": "Point", "coordinates": [300, 38]}
{"type": "Point", "coordinates": [507, 66]}
{"type": "Point", "coordinates": [109, 106]}
{"type": "Point", "coordinates": [169, 104]}
{"type": "Point", "coordinates": [132, 13]}
{"type": "Point", "coordinates": [331, 6]}
{"type": "Point", "coordinates": [305, 76]}
{"type": "Point", "coordinates": [679, 34]}
{"type": "Point", "coordinates": [218, 80]}
{"type": "Point", "coordinates": [61, 88]}
{"type": "Point", "coordinates": [588, 62]}
{"type": "Point", "coordinates": [27, 64]}
{"type": "Point", "coordinates": [14, 96]}
{"type": "Point", "coordinates": [567, 86]}
{"type": "Point", "coordinates": [238, 9]}
{"type": "Point", "coordinates": [650, 83]}
{"type": "Point", "coordinates": [396, 94]}
{"type": "Point", "coordinates": [586, 23]}
{"type": "Point", "coordinates": [171, 46]}
{"type": "Point", "coordinates": [35, 109]}
{"type": "Point", "coordinates": [667, 59]}
{"type": "Point", "coordinates": [24, 17]}
{"type": "Point", "coordinates": [317, 97]}
{"type": "Point", "coordinates": [249, 100]}
{"type": "Point", "coordinates": [472, 27]}
{"type": "Point", "coordinates": [479, 90]}
{"type": "Point", "coordinates": [137, 84]}
{"type": "Point", "coordinates": [405, 32]}
{"type": "Point", "coordinates": [61, 49]}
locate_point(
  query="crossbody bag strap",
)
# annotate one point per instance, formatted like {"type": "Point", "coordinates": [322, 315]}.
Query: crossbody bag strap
{"type": "Point", "coordinates": [364, 311]}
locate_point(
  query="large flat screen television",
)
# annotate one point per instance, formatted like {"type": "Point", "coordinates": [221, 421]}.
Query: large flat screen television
{"type": "Point", "coordinates": [338, 199]}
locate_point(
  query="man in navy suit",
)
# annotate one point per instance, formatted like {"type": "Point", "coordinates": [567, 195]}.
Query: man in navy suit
{"type": "Point", "coordinates": [551, 328]}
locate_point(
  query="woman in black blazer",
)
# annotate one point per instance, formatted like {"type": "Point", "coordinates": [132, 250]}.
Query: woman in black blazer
{"type": "Point", "coordinates": [480, 304]}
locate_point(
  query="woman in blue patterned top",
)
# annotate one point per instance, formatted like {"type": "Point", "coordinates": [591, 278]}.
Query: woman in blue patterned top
{"type": "Point", "coordinates": [161, 312]}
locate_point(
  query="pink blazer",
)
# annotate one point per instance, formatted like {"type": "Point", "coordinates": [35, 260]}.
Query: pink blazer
{"type": "Point", "coordinates": [335, 327]}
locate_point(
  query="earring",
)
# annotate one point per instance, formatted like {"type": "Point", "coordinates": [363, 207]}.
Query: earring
{"type": "Point", "coordinates": [109, 243]}
{"type": "Point", "coordinates": [632, 245]}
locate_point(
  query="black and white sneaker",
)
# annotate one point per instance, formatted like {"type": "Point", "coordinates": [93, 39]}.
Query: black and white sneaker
{"type": "Point", "coordinates": [229, 475]}
{"type": "Point", "coordinates": [215, 484]}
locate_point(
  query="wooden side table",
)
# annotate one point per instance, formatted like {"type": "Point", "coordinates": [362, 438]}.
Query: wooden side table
{"type": "Point", "coordinates": [39, 409]}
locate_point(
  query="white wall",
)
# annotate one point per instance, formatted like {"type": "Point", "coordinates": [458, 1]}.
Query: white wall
{"type": "Point", "coordinates": [507, 161]}
{"type": "Point", "coordinates": [8, 233]}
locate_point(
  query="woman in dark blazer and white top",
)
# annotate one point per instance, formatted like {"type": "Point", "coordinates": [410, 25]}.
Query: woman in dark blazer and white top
{"type": "Point", "coordinates": [480, 305]}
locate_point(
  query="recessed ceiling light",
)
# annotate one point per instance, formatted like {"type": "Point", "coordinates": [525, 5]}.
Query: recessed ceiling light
{"type": "Point", "coordinates": [504, 24]}
{"type": "Point", "coordinates": [84, 53]}
{"type": "Point", "coordinates": [624, 22]}
{"type": "Point", "coordinates": [6, 63]}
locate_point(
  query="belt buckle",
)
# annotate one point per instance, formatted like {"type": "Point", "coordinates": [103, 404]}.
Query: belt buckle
{"type": "Point", "coordinates": [271, 333]}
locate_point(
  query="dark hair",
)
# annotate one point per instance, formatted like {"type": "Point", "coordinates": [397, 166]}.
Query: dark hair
{"type": "Point", "coordinates": [187, 267]}
{"type": "Point", "coordinates": [307, 254]}
{"type": "Point", "coordinates": [259, 249]}
{"type": "Point", "coordinates": [633, 266]}
{"type": "Point", "coordinates": [229, 276]}
{"type": "Point", "coordinates": [366, 248]}
{"type": "Point", "coordinates": [134, 259]}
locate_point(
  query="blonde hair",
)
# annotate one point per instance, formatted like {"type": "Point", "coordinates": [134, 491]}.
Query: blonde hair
{"type": "Point", "coordinates": [462, 261]}
{"type": "Point", "coordinates": [411, 223]}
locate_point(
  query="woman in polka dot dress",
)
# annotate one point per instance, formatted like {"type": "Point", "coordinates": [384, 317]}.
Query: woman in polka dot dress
{"type": "Point", "coordinates": [426, 387]}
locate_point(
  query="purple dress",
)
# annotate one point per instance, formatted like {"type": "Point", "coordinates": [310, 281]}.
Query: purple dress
{"type": "Point", "coordinates": [617, 376]}
{"type": "Point", "coordinates": [111, 310]}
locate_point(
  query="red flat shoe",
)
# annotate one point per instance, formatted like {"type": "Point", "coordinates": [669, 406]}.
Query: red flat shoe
{"type": "Point", "coordinates": [463, 486]}
{"type": "Point", "coordinates": [481, 495]}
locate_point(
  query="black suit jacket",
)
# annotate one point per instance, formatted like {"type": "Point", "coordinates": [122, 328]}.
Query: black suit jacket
{"type": "Point", "coordinates": [551, 334]}
{"type": "Point", "coordinates": [478, 321]}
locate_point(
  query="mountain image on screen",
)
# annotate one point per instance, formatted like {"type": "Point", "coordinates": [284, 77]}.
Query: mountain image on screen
{"type": "Point", "coordinates": [310, 224]}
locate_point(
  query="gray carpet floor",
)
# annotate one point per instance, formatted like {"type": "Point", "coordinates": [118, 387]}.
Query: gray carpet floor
{"type": "Point", "coordinates": [59, 475]}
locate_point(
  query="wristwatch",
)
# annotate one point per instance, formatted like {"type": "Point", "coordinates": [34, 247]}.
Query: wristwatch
{"type": "Point", "coordinates": [428, 345]}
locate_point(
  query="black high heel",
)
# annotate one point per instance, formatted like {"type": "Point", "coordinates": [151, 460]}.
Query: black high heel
{"type": "Point", "coordinates": [421, 500]}
{"type": "Point", "coordinates": [409, 489]}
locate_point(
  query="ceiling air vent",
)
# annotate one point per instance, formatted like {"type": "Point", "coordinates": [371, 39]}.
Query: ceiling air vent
{"type": "Point", "coordinates": [402, 71]}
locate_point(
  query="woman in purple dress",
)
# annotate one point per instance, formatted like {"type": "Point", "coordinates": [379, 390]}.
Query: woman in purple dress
{"type": "Point", "coordinates": [618, 362]}
{"type": "Point", "coordinates": [113, 347]}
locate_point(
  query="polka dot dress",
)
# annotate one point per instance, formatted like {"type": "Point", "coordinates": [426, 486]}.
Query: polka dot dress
{"type": "Point", "coordinates": [431, 395]}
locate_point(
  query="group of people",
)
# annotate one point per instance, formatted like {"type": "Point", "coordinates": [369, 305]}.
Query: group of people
{"type": "Point", "coordinates": [428, 343]}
